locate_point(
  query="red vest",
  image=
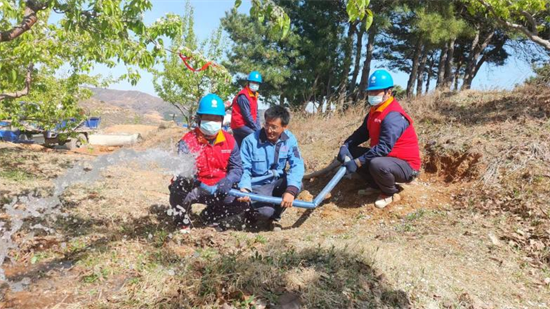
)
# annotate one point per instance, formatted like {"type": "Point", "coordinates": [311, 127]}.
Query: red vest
{"type": "Point", "coordinates": [406, 148]}
{"type": "Point", "coordinates": [212, 159]}
{"type": "Point", "coordinates": [237, 119]}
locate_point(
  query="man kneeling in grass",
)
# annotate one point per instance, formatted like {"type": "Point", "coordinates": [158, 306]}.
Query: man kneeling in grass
{"type": "Point", "coordinates": [267, 152]}
{"type": "Point", "coordinates": [218, 168]}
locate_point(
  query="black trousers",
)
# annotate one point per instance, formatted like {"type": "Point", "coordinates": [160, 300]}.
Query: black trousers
{"type": "Point", "coordinates": [264, 211]}
{"type": "Point", "coordinates": [184, 193]}
{"type": "Point", "coordinates": [383, 172]}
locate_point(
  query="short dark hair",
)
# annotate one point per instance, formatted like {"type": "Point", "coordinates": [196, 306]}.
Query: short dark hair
{"type": "Point", "coordinates": [278, 111]}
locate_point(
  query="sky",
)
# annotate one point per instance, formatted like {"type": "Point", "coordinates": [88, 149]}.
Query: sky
{"type": "Point", "coordinates": [207, 19]}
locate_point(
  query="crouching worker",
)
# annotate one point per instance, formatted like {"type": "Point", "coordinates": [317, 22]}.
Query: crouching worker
{"type": "Point", "coordinates": [245, 118]}
{"type": "Point", "coordinates": [218, 168]}
{"type": "Point", "coordinates": [267, 152]}
{"type": "Point", "coordinates": [394, 154]}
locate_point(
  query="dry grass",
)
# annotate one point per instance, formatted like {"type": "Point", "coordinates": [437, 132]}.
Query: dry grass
{"type": "Point", "coordinates": [470, 233]}
{"type": "Point", "coordinates": [497, 143]}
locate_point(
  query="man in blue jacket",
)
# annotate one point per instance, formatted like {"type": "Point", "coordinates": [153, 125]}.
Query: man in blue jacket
{"type": "Point", "coordinates": [267, 152]}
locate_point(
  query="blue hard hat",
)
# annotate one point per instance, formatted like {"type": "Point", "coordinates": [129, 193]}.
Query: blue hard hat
{"type": "Point", "coordinates": [380, 79]}
{"type": "Point", "coordinates": [255, 76]}
{"type": "Point", "coordinates": [211, 104]}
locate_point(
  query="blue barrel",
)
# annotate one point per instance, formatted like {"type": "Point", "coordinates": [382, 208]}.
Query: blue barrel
{"type": "Point", "coordinates": [9, 136]}
{"type": "Point", "coordinates": [93, 122]}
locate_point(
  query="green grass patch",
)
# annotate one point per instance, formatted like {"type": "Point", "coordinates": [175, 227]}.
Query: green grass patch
{"type": "Point", "coordinates": [16, 175]}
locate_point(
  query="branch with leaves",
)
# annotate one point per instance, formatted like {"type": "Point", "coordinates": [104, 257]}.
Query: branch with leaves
{"type": "Point", "coordinates": [264, 10]}
{"type": "Point", "coordinates": [520, 16]}
{"type": "Point", "coordinates": [25, 91]}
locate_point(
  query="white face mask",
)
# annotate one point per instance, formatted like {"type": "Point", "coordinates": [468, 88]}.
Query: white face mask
{"type": "Point", "coordinates": [375, 100]}
{"type": "Point", "coordinates": [254, 87]}
{"type": "Point", "coordinates": [210, 128]}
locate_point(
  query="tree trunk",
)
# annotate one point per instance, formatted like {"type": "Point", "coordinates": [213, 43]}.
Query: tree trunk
{"type": "Point", "coordinates": [414, 68]}
{"type": "Point", "coordinates": [348, 52]}
{"type": "Point", "coordinates": [470, 63]}
{"type": "Point", "coordinates": [430, 73]}
{"type": "Point", "coordinates": [422, 71]}
{"type": "Point", "coordinates": [448, 79]}
{"type": "Point", "coordinates": [329, 90]}
{"type": "Point", "coordinates": [441, 67]}
{"type": "Point", "coordinates": [498, 47]}
{"type": "Point", "coordinates": [358, 55]}
{"type": "Point", "coordinates": [366, 65]}
{"type": "Point", "coordinates": [475, 53]}
{"type": "Point", "coordinates": [457, 74]}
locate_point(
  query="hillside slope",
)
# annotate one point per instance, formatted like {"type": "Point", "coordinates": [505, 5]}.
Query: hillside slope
{"type": "Point", "coordinates": [136, 101]}
{"type": "Point", "coordinates": [471, 232]}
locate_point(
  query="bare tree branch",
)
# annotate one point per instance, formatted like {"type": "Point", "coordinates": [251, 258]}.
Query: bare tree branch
{"type": "Point", "coordinates": [25, 91]}
{"type": "Point", "coordinates": [29, 19]}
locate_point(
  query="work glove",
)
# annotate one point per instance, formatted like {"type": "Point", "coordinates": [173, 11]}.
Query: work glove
{"type": "Point", "coordinates": [224, 186]}
{"type": "Point", "coordinates": [211, 190]}
{"type": "Point", "coordinates": [343, 153]}
{"type": "Point", "coordinates": [275, 173]}
{"type": "Point", "coordinates": [351, 166]}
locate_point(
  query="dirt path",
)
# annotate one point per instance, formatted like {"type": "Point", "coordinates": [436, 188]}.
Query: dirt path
{"type": "Point", "coordinates": [116, 248]}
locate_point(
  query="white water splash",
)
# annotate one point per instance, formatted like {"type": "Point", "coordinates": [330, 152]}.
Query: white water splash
{"type": "Point", "coordinates": [27, 207]}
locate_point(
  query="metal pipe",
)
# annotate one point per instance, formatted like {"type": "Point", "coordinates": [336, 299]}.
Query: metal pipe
{"type": "Point", "coordinates": [270, 199]}
{"type": "Point", "coordinates": [297, 203]}
{"type": "Point", "coordinates": [331, 184]}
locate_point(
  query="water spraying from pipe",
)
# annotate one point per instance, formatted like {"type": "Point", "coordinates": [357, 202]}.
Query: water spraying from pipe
{"type": "Point", "coordinates": [24, 208]}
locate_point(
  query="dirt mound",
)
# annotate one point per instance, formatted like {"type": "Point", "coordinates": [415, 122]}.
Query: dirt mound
{"type": "Point", "coordinates": [453, 167]}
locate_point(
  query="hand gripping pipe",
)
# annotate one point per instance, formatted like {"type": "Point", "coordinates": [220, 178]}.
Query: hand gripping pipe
{"type": "Point", "coordinates": [297, 203]}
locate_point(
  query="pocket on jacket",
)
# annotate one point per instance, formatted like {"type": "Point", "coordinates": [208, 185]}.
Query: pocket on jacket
{"type": "Point", "coordinates": [258, 164]}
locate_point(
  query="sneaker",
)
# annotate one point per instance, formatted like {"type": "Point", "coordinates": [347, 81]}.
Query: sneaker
{"type": "Point", "coordinates": [368, 191]}
{"type": "Point", "coordinates": [184, 226]}
{"type": "Point", "coordinates": [384, 200]}
{"type": "Point", "coordinates": [184, 229]}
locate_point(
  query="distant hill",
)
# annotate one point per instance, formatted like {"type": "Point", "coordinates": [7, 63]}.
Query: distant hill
{"type": "Point", "coordinates": [139, 102]}
{"type": "Point", "coordinates": [127, 107]}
